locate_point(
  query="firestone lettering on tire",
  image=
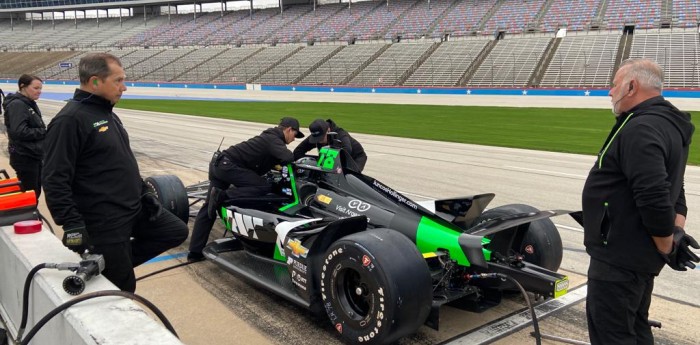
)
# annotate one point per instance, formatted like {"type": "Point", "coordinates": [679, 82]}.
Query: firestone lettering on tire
{"type": "Point", "coordinates": [379, 316]}
{"type": "Point", "coordinates": [323, 270]}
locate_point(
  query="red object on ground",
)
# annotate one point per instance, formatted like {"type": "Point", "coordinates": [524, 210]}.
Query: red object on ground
{"type": "Point", "coordinates": [27, 227]}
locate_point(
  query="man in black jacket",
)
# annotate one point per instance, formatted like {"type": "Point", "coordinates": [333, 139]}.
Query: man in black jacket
{"type": "Point", "coordinates": [92, 182]}
{"type": "Point", "coordinates": [318, 138]}
{"type": "Point", "coordinates": [634, 206]}
{"type": "Point", "coordinates": [242, 166]}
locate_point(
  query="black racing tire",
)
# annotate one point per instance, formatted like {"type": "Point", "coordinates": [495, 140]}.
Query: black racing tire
{"type": "Point", "coordinates": [375, 286]}
{"type": "Point", "coordinates": [171, 193]}
{"type": "Point", "coordinates": [541, 244]}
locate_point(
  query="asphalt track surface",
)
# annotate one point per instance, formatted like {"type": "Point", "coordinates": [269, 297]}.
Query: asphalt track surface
{"type": "Point", "coordinates": [423, 170]}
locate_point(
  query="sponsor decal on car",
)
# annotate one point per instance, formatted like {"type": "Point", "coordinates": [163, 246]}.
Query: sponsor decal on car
{"type": "Point", "coordinates": [299, 280]}
{"type": "Point", "coordinates": [324, 199]}
{"type": "Point", "coordinates": [347, 211]}
{"type": "Point", "coordinates": [296, 265]}
{"type": "Point", "coordinates": [242, 224]}
{"type": "Point", "coordinates": [283, 228]}
{"type": "Point", "coordinates": [359, 205]}
{"type": "Point", "coordinates": [298, 250]}
{"type": "Point", "coordinates": [394, 195]}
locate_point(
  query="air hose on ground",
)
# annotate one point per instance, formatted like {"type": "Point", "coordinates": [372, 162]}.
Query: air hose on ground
{"type": "Point", "coordinates": [536, 334]}
{"type": "Point", "coordinates": [166, 269]}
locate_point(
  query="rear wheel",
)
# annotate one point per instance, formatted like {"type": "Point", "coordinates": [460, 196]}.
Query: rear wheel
{"type": "Point", "coordinates": [375, 286]}
{"type": "Point", "coordinates": [171, 193]}
{"type": "Point", "coordinates": [541, 243]}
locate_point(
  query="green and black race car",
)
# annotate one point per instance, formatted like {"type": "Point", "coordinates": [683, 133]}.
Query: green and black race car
{"type": "Point", "coordinates": [376, 263]}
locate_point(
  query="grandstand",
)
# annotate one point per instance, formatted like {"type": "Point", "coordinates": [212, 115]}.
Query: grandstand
{"type": "Point", "coordinates": [676, 53]}
{"type": "Point", "coordinates": [477, 43]}
{"type": "Point", "coordinates": [583, 61]}
{"type": "Point", "coordinates": [511, 62]}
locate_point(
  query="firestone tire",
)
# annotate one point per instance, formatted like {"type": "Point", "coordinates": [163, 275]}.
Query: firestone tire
{"type": "Point", "coordinates": [171, 193]}
{"type": "Point", "coordinates": [541, 244]}
{"type": "Point", "coordinates": [375, 287]}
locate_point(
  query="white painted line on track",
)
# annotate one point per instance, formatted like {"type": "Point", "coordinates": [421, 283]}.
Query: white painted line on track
{"type": "Point", "coordinates": [548, 172]}
{"type": "Point", "coordinates": [501, 328]}
{"type": "Point", "coordinates": [569, 228]}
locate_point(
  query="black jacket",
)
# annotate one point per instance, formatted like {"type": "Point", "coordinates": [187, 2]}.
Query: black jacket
{"type": "Point", "coordinates": [25, 127]}
{"type": "Point", "coordinates": [348, 143]}
{"type": "Point", "coordinates": [262, 152]}
{"type": "Point", "coordinates": [90, 173]}
{"type": "Point", "coordinates": [635, 188]}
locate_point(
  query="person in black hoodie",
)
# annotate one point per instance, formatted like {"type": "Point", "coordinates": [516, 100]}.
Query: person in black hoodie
{"type": "Point", "coordinates": [634, 206]}
{"type": "Point", "coordinates": [92, 183]}
{"type": "Point", "coordinates": [242, 166]}
{"type": "Point", "coordinates": [26, 131]}
{"type": "Point", "coordinates": [318, 138]}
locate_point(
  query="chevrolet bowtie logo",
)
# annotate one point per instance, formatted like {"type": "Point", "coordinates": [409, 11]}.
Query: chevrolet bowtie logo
{"type": "Point", "coordinates": [297, 249]}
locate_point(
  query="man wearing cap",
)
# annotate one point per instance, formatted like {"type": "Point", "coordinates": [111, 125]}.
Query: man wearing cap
{"type": "Point", "coordinates": [319, 137]}
{"type": "Point", "coordinates": [242, 166]}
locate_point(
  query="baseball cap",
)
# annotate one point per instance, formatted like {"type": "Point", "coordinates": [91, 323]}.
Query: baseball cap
{"type": "Point", "coordinates": [293, 123]}
{"type": "Point", "coordinates": [318, 130]}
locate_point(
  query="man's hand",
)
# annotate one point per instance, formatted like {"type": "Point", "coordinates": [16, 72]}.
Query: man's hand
{"type": "Point", "coordinates": [76, 238]}
{"type": "Point", "coordinates": [682, 257]}
{"type": "Point", "coordinates": [151, 206]}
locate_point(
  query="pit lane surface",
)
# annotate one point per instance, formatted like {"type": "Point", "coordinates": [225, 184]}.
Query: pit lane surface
{"type": "Point", "coordinates": [209, 306]}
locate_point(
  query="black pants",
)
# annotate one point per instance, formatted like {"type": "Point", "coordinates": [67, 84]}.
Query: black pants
{"type": "Point", "coordinates": [28, 171]}
{"type": "Point", "coordinates": [149, 240]}
{"type": "Point", "coordinates": [617, 305]}
{"type": "Point", "coordinates": [222, 174]}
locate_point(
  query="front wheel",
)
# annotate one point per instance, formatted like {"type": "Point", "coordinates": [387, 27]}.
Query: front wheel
{"type": "Point", "coordinates": [375, 286]}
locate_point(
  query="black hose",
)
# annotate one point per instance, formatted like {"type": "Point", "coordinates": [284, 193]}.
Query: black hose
{"type": "Point", "coordinates": [165, 269]}
{"type": "Point", "coordinates": [45, 221]}
{"type": "Point", "coordinates": [25, 298]}
{"type": "Point", "coordinates": [91, 295]}
{"type": "Point", "coordinates": [535, 325]}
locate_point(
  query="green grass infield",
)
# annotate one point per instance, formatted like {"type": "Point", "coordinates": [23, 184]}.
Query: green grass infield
{"type": "Point", "coordinates": [549, 129]}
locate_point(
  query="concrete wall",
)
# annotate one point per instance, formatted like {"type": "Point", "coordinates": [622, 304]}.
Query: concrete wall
{"type": "Point", "coordinates": [103, 320]}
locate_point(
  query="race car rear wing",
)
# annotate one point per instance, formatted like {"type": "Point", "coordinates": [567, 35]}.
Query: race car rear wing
{"type": "Point", "coordinates": [470, 240]}
{"type": "Point", "coordinates": [462, 211]}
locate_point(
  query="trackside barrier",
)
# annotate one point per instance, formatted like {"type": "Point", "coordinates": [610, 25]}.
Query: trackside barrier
{"type": "Point", "coordinates": [104, 320]}
{"type": "Point", "coordinates": [428, 90]}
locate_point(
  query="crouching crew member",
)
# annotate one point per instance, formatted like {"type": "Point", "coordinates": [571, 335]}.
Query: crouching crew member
{"type": "Point", "coordinates": [242, 166]}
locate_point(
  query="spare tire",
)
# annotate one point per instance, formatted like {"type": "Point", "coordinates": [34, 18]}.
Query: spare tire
{"type": "Point", "coordinates": [541, 244]}
{"type": "Point", "coordinates": [171, 193]}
